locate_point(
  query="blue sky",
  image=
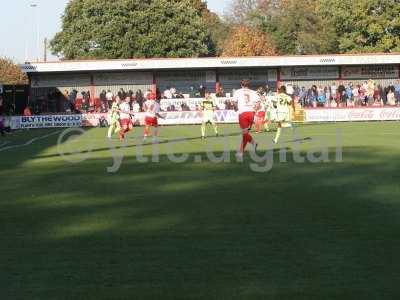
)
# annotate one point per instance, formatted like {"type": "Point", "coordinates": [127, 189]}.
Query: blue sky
{"type": "Point", "coordinates": [18, 30]}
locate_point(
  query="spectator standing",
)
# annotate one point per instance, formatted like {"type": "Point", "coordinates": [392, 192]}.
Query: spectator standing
{"type": "Point", "coordinates": [1, 105]}
{"type": "Point", "coordinates": [27, 111]}
{"type": "Point", "coordinates": [362, 95]}
{"type": "Point", "coordinates": [109, 97]}
{"type": "Point", "coordinates": [147, 94]}
{"type": "Point", "coordinates": [140, 98]}
{"type": "Point", "coordinates": [355, 93]}
{"type": "Point", "coordinates": [313, 96]}
{"type": "Point", "coordinates": [370, 91]}
{"type": "Point", "coordinates": [121, 93]}
{"type": "Point", "coordinates": [397, 91]}
{"type": "Point", "coordinates": [391, 98]}
{"type": "Point", "coordinates": [136, 107]}
{"type": "Point", "coordinates": [202, 91]}
{"type": "Point", "coordinates": [327, 94]}
{"type": "Point", "coordinates": [321, 96]}
{"type": "Point", "coordinates": [289, 89]}
{"type": "Point", "coordinates": [303, 96]}
{"type": "Point", "coordinates": [333, 91]}
{"type": "Point", "coordinates": [340, 96]}
{"type": "Point", "coordinates": [377, 93]}
{"type": "Point", "coordinates": [349, 94]}
{"type": "Point", "coordinates": [173, 92]}
{"type": "Point", "coordinates": [192, 92]}
{"type": "Point", "coordinates": [103, 99]}
{"type": "Point", "coordinates": [2, 129]}
{"type": "Point", "coordinates": [167, 93]}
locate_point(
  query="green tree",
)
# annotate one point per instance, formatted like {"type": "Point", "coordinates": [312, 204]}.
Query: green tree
{"type": "Point", "coordinates": [132, 28]}
{"type": "Point", "coordinates": [364, 25]}
{"type": "Point", "coordinates": [297, 27]}
{"type": "Point", "coordinates": [240, 12]}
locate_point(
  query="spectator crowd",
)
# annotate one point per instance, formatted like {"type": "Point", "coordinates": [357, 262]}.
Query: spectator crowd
{"type": "Point", "coordinates": [351, 95]}
{"type": "Point", "coordinates": [365, 94]}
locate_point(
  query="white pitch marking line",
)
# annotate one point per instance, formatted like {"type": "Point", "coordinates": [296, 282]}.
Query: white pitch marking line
{"type": "Point", "coordinates": [4, 143]}
{"type": "Point", "coordinates": [30, 142]}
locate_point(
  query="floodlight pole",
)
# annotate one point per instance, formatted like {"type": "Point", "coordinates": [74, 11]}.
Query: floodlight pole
{"type": "Point", "coordinates": [36, 9]}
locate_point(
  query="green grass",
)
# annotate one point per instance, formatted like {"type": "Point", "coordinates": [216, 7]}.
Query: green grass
{"type": "Point", "coordinates": [201, 230]}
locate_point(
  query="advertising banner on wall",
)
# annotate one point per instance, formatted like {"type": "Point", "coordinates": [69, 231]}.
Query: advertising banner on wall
{"type": "Point", "coordinates": [46, 121]}
{"type": "Point", "coordinates": [192, 103]}
{"type": "Point", "coordinates": [352, 114]}
{"type": "Point", "coordinates": [309, 73]}
{"type": "Point", "coordinates": [370, 72]}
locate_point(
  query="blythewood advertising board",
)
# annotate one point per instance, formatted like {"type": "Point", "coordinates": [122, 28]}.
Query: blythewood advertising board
{"type": "Point", "coordinates": [93, 120]}
{"type": "Point", "coordinates": [352, 114]}
{"type": "Point", "coordinates": [46, 121]}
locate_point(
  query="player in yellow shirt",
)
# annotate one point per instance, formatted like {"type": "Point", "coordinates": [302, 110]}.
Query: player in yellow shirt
{"type": "Point", "coordinates": [208, 107]}
{"type": "Point", "coordinates": [115, 126]}
{"type": "Point", "coordinates": [283, 115]}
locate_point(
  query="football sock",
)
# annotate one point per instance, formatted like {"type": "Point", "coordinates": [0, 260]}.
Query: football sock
{"type": "Point", "coordinates": [146, 132]}
{"type": "Point", "coordinates": [110, 131]}
{"type": "Point", "coordinates": [216, 129]}
{"type": "Point", "coordinates": [278, 134]}
{"type": "Point", "coordinates": [247, 138]}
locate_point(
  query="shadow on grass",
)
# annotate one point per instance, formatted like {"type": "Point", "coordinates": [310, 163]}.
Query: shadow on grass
{"type": "Point", "coordinates": [203, 231]}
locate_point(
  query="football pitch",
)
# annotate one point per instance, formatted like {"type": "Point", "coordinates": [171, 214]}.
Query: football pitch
{"type": "Point", "coordinates": [85, 218]}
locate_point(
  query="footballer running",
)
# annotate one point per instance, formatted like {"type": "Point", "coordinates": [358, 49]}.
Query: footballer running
{"type": "Point", "coordinates": [152, 112]}
{"type": "Point", "coordinates": [246, 100]}
{"type": "Point", "coordinates": [283, 118]}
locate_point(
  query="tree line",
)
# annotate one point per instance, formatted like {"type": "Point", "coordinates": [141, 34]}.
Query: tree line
{"type": "Point", "coordinates": [95, 29]}
{"type": "Point", "coordinates": [187, 28]}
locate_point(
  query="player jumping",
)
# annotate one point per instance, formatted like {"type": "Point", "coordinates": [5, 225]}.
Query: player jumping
{"type": "Point", "coordinates": [246, 100]}
{"type": "Point", "coordinates": [115, 126]}
{"type": "Point", "coordinates": [283, 102]}
{"type": "Point", "coordinates": [125, 117]}
{"type": "Point", "coordinates": [152, 113]}
{"type": "Point", "coordinates": [208, 108]}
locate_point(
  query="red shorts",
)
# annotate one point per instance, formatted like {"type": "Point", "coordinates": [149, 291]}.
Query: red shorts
{"type": "Point", "coordinates": [126, 123]}
{"type": "Point", "coordinates": [261, 114]}
{"type": "Point", "coordinates": [151, 121]}
{"type": "Point", "coordinates": [246, 120]}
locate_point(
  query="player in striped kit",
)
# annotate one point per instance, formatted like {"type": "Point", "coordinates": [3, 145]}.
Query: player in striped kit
{"type": "Point", "coordinates": [152, 112]}
{"type": "Point", "coordinates": [246, 100]}
{"type": "Point", "coordinates": [260, 115]}
{"type": "Point", "coordinates": [125, 118]}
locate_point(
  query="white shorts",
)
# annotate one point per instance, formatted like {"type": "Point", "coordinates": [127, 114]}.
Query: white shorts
{"type": "Point", "coordinates": [283, 115]}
